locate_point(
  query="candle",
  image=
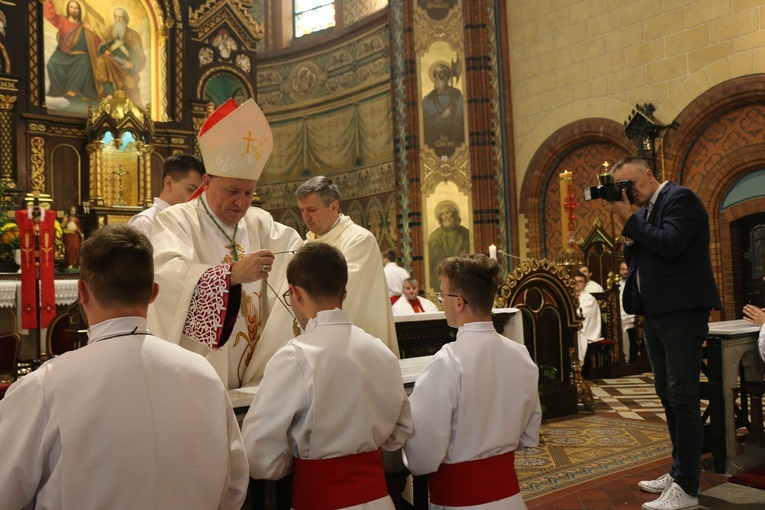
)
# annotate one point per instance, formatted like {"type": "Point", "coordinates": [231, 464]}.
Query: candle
{"type": "Point", "coordinates": [566, 182]}
{"type": "Point", "coordinates": [493, 252]}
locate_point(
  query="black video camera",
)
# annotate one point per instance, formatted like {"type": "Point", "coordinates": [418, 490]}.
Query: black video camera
{"type": "Point", "coordinates": [608, 190]}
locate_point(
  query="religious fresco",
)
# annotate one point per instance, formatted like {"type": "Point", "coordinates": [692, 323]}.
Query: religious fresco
{"type": "Point", "coordinates": [95, 50]}
{"type": "Point", "coordinates": [448, 211]}
{"type": "Point", "coordinates": [443, 109]}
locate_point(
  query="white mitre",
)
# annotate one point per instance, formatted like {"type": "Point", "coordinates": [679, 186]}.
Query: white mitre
{"type": "Point", "coordinates": [236, 141]}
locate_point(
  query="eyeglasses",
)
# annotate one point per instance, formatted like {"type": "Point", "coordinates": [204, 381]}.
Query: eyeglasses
{"type": "Point", "coordinates": [440, 296]}
{"type": "Point", "coordinates": [286, 296]}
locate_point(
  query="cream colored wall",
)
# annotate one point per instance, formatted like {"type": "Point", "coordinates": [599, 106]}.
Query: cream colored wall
{"type": "Point", "coordinates": [578, 59]}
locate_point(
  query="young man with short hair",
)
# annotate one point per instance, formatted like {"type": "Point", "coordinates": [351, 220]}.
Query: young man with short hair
{"type": "Point", "coordinates": [181, 176]}
{"type": "Point", "coordinates": [329, 400]}
{"type": "Point", "coordinates": [476, 401]}
{"type": "Point", "coordinates": [128, 421]}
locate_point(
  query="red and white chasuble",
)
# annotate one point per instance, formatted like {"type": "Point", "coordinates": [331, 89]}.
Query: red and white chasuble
{"type": "Point", "coordinates": [47, 268]}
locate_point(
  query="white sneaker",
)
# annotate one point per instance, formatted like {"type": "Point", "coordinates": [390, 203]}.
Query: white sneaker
{"type": "Point", "coordinates": [673, 498]}
{"type": "Point", "coordinates": [656, 486]}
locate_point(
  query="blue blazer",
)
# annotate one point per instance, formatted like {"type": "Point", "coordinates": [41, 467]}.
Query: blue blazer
{"type": "Point", "coordinates": [671, 248]}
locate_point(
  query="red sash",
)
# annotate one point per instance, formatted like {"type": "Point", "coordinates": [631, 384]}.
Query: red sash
{"type": "Point", "coordinates": [340, 482]}
{"type": "Point", "coordinates": [416, 305]}
{"type": "Point", "coordinates": [28, 271]}
{"type": "Point", "coordinates": [475, 482]}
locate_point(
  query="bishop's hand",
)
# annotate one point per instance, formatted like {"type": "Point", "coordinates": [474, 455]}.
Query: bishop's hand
{"type": "Point", "coordinates": [252, 268]}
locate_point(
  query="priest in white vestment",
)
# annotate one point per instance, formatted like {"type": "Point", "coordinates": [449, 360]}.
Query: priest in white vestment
{"type": "Point", "coordinates": [215, 255]}
{"type": "Point", "coordinates": [411, 302]}
{"type": "Point", "coordinates": [129, 421]}
{"type": "Point", "coordinates": [330, 399]}
{"type": "Point", "coordinates": [368, 302]}
{"type": "Point", "coordinates": [591, 319]}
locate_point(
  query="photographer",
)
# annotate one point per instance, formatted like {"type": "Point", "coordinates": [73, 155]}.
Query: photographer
{"type": "Point", "coordinates": [670, 281]}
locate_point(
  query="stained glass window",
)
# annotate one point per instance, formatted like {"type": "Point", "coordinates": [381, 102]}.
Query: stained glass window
{"type": "Point", "coordinates": [313, 15]}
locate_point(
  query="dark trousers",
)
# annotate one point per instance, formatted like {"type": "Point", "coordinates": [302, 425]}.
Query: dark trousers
{"type": "Point", "coordinates": [673, 341]}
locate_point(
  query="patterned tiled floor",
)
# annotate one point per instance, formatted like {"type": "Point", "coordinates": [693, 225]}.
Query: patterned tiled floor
{"type": "Point", "coordinates": [631, 398]}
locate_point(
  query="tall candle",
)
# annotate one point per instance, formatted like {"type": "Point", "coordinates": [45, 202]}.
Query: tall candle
{"type": "Point", "coordinates": [493, 252]}
{"type": "Point", "coordinates": [566, 178]}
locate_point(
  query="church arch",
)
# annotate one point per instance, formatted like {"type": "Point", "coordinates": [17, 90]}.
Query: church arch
{"type": "Point", "coordinates": [545, 164]}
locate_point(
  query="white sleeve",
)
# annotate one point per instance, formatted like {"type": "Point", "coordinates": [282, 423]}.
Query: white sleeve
{"type": "Point", "coordinates": [281, 396]}
{"type": "Point", "coordinates": [530, 435]}
{"type": "Point", "coordinates": [761, 341]}
{"type": "Point", "coordinates": [433, 402]}
{"type": "Point", "coordinates": [23, 421]}
{"type": "Point", "coordinates": [143, 223]}
{"type": "Point", "coordinates": [238, 468]}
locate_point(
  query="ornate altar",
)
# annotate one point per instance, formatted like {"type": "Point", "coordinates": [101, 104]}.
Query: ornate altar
{"type": "Point", "coordinates": [119, 146]}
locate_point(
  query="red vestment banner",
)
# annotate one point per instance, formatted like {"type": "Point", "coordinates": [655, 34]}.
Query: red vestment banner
{"type": "Point", "coordinates": [29, 304]}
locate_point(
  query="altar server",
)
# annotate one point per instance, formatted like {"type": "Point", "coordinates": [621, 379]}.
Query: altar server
{"type": "Point", "coordinates": [128, 421]}
{"type": "Point", "coordinates": [329, 400]}
{"type": "Point", "coordinates": [476, 402]}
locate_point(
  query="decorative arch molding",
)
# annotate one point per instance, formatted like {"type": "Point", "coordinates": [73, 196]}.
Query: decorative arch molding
{"type": "Point", "coordinates": [701, 111]}
{"type": "Point", "coordinates": [214, 14]}
{"type": "Point", "coordinates": [233, 72]}
{"type": "Point", "coordinates": [545, 161]}
{"type": "Point", "coordinates": [582, 110]}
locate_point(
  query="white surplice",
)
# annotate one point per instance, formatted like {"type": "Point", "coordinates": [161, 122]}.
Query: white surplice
{"type": "Point", "coordinates": [144, 220]}
{"type": "Point", "coordinates": [128, 421]}
{"type": "Point", "coordinates": [593, 286]}
{"type": "Point", "coordinates": [191, 264]}
{"type": "Point", "coordinates": [368, 302]}
{"type": "Point", "coordinates": [591, 324]}
{"type": "Point", "coordinates": [394, 277]}
{"type": "Point", "coordinates": [403, 307]}
{"type": "Point", "coordinates": [477, 398]}
{"type": "Point", "coordinates": [628, 322]}
{"type": "Point", "coordinates": [332, 391]}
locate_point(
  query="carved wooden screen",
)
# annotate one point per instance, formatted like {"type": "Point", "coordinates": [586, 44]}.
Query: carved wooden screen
{"type": "Point", "coordinates": [542, 291]}
{"type": "Point", "coordinates": [601, 253]}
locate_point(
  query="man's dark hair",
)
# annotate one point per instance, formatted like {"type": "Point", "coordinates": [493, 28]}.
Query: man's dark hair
{"type": "Point", "coordinates": [390, 255]}
{"type": "Point", "coordinates": [322, 185]}
{"type": "Point", "coordinates": [630, 161]}
{"type": "Point", "coordinates": [476, 277]}
{"type": "Point", "coordinates": [319, 269]}
{"type": "Point", "coordinates": [117, 264]}
{"type": "Point", "coordinates": [580, 275]}
{"type": "Point", "coordinates": [178, 166]}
